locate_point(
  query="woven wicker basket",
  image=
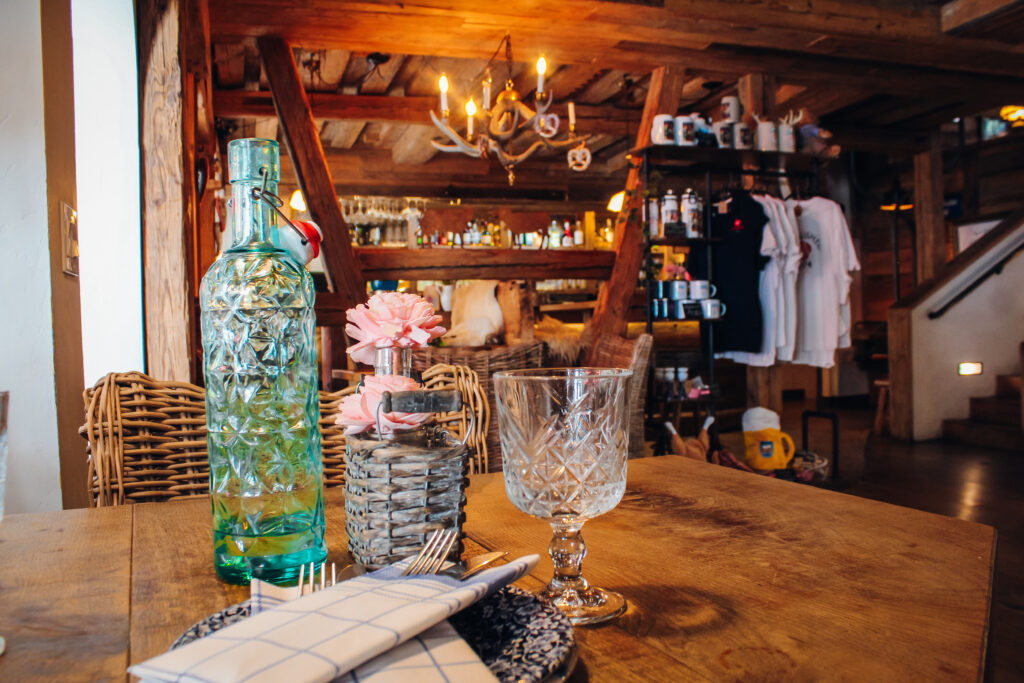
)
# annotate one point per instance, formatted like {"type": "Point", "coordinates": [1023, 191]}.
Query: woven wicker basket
{"type": "Point", "coordinates": [485, 362]}
{"type": "Point", "coordinates": [398, 491]}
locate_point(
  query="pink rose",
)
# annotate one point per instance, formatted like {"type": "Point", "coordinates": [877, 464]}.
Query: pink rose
{"type": "Point", "coordinates": [358, 412]}
{"type": "Point", "coordinates": [391, 319]}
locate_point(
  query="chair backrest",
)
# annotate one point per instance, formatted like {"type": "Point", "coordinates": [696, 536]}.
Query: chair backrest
{"type": "Point", "coordinates": [147, 438]}
{"type": "Point", "coordinates": [635, 354]}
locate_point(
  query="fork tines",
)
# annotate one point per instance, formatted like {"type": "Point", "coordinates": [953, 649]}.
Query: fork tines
{"type": "Point", "coordinates": [432, 556]}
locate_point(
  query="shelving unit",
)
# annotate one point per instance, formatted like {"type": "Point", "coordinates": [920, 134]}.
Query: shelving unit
{"type": "Point", "coordinates": [658, 163]}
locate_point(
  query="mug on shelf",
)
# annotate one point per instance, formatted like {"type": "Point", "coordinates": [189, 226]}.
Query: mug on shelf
{"type": "Point", "coordinates": [742, 136]}
{"type": "Point", "coordinates": [767, 136]}
{"type": "Point", "coordinates": [661, 289]}
{"type": "Point", "coordinates": [787, 138]}
{"type": "Point", "coordinates": [676, 289]}
{"type": "Point", "coordinates": [663, 130]}
{"type": "Point", "coordinates": [686, 131]}
{"type": "Point", "coordinates": [731, 108]}
{"type": "Point", "coordinates": [659, 309]}
{"type": "Point", "coordinates": [723, 133]}
{"type": "Point", "coordinates": [702, 289]}
{"type": "Point", "coordinates": [713, 309]}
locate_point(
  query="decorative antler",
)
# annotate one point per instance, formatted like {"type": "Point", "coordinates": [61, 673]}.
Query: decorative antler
{"type": "Point", "coordinates": [461, 144]}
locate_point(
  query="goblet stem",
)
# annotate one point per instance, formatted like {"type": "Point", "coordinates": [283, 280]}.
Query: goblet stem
{"type": "Point", "coordinates": [567, 550]}
{"type": "Point", "coordinates": [568, 590]}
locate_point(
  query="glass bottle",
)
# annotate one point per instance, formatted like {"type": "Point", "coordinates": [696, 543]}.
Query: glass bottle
{"type": "Point", "coordinates": [262, 407]}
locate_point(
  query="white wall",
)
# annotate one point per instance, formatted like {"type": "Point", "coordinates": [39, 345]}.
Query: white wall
{"type": "Point", "coordinates": [107, 149]}
{"type": "Point", "coordinates": [26, 332]}
{"type": "Point", "coordinates": [986, 326]}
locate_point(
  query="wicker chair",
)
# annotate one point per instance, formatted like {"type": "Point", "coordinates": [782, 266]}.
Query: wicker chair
{"type": "Point", "coordinates": [147, 438]}
{"type": "Point", "coordinates": [635, 354]}
{"type": "Point", "coordinates": [484, 362]}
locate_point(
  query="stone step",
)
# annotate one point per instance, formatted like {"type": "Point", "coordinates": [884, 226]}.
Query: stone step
{"type": "Point", "coordinates": [984, 435]}
{"type": "Point", "coordinates": [996, 410]}
{"type": "Point", "coordinates": [1008, 385]}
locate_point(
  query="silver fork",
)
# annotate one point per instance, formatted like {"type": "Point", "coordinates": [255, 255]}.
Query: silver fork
{"type": "Point", "coordinates": [432, 556]}
{"type": "Point", "coordinates": [313, 586]}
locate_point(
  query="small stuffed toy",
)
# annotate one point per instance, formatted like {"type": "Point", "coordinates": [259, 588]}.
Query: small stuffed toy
{"type": "Point", "coordinates": [695, 448]}
{"type": "Point", "coordinates": [816, 139]}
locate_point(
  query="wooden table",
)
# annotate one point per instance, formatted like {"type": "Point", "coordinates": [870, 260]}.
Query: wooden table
{"type": "Point", "coordinates": [729, 577]}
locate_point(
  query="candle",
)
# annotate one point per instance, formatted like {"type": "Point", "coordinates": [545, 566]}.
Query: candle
{"type": "Point", "coordinates": [487, 93]}
{"type": "Point", "coordinates": [470, 113]}
{"type": "Point", "coordinates": [542, 66]}
{"type": "Point", "coordinates": [443, 85]}
{"type": "Point", "coordinates": [572, 116]}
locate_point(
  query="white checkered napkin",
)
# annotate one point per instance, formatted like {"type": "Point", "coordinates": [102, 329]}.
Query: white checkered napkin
{"type": "Point", "coordinates": [437, 654]}
{"type": "Point", "coordinates": [326, 634]}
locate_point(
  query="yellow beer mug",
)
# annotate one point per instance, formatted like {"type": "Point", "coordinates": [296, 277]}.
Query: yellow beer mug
{"type": "Point", "coordinates": [766, 446]}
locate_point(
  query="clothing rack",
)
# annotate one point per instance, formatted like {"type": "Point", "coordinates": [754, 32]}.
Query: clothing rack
{"type": "Point", "coordinates": [710, 162]}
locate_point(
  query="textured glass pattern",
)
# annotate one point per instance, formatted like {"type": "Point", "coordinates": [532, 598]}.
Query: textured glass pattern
{"type": "Point", "coordinates": [262, 408]}
{"type": "Point", "coordinates": [563, 442]}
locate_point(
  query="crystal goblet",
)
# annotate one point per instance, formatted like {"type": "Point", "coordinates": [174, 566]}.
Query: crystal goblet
{"type": "Point", "coordinates": [564, 434]}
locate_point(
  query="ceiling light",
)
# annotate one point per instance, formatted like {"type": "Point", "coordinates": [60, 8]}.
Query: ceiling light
{"type": "Point", "coordinates": [297, 202]}
{"type": "Point", "coordinates": [616, 202]}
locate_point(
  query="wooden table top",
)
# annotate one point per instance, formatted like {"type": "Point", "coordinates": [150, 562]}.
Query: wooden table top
{"type": "Point", "coordinates": [729, 576]}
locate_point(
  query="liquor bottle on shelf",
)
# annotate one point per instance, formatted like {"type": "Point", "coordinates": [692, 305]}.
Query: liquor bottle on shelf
{"type": "Point", "coordinates": [262, 409]}
{"type": "Point", "coordinates": [578, 237]}
{"type": "Point", "coordinates": [567, 240]}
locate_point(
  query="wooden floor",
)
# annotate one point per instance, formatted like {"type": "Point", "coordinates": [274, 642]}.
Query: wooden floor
{"type": "Point", "coordinates": [975, 484]}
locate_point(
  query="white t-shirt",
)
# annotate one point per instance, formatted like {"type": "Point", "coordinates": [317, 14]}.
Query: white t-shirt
{"type": "Point", "coordinates": [790, 273]}
{"type": "Point", "coordinates": [823, 286]}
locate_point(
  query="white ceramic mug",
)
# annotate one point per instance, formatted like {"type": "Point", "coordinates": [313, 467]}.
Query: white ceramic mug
{"type": "Point", "coordinates": [702, 289]}
{"type": "Point", "coordinates": [677, 289]}
{"type": "Point", "coordinates": [787, 138]}
{"type": "Point", "coordinates": [731, 109]}
{"type": "Point", "coordinates": [663, 130]}
{"type": "Point", "coordinates": [686, 131]}
{"type": "Point", "coordinates": [713, 309]}
{"type": "Point", "coordinates": [742, 136]}
{"type": "Point", "coordinates": [723, 132]}
{"type": "Point", "coordinates": [767, 136]}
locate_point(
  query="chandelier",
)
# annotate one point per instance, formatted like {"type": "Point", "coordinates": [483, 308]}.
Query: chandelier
{"type": "Point", "coordinates": [509, 117]}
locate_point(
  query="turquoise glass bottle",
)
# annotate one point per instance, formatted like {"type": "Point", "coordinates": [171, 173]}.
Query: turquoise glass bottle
{"type": "Point", "coordinates": [262, 407]}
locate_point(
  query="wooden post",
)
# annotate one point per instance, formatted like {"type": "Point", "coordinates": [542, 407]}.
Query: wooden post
{"type": "Point", "coordinates": [929, 221]}
{"type": "Point", "coordinates": [616, 294]}
{"type": "Point", "coordinates": [168, 209]}
{"type": "Point", "coordinates": [307, 154]}
{"type": "Point", "coordinates": [344, 276]}
{"type": "Point", "coordinates": [901, 374]}
{"type": "Point", "coordinates": [764, 385]}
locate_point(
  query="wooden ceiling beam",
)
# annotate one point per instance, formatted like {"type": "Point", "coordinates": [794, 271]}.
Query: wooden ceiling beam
{"type": "Point", "coordinates": [831, 28]}
{"type": "Point", "coordinates": [616, 294]}
{"type": "Point", "coordinates": [314, 177]}
{"type": "Point", "coordinates": [961, 14]}
{"type": "Point", "coordinates": [241, 104]}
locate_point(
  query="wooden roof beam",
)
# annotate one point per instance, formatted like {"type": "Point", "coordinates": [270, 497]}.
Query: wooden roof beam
{"type": "Point", "coordinates": [960, 14]}
{"type": "Point", "coordinates": [307, 155]}
{"type": "Point", "coordinates": [241, 104]}
{"type": "Point", "coordinates": [861, 32]}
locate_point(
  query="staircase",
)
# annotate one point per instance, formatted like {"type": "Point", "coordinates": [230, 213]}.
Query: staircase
{"type": "Point", "coordinates": [995, 421]}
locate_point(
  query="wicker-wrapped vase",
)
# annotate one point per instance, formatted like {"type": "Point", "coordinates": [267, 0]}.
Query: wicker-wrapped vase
{"type": "Point", "coordinates": [399, 490]}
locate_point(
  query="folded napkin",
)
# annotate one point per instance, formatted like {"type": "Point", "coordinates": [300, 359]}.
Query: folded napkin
{"type": "Point", "coordinates": [439, 653]}
{"type": "Point", "coordinates": [323, 635]}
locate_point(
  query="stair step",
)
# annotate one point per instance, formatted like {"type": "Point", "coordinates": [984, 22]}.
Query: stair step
{"type": "Point", "coordinates": [984, 435]}
{"type": "Point", "coordinates": [996, 410]}
{"type": "Point", "coordinates": [1008, 385]}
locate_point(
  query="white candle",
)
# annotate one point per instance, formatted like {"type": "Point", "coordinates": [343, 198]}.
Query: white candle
{"type": "Point", "coordinates": [572, 115]}
{"type": "Point", "coordinates": [443, 85]}
{"type": "Point", "coordinates": [542, 66]}
{"type": "Point", "coordinates": [470, 114]}
{"type": "Point", "coordinates": [487, 94]}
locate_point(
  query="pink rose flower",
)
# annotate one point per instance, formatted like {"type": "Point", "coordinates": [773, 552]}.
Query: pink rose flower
{"type": "Point", "coordinates": [357, 412]}
{"type": "Point", "coordinates": [391, 319]}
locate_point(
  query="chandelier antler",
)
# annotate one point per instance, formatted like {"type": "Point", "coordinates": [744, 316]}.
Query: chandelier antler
{"type": "Point", "coordinates": [509, 117]}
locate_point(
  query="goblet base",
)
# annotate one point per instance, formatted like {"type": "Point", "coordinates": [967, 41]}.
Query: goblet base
{"type": "Point", "coordinates": [591, 605]}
